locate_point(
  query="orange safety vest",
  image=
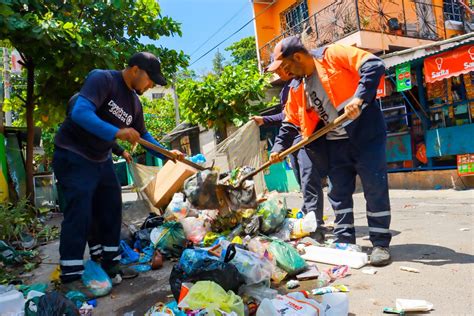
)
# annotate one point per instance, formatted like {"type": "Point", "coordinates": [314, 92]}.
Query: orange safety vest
{"type": "Point", "coordinates": [338, 69]}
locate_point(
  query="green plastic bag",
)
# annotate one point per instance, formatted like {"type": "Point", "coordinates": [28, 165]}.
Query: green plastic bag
{"type": "Point", "coordinates": [212, 297]}
{"type": "Point", "coordinates": [171, 240]}
{"type": "Point", "coordinates": [287, 257]}
{"type": "Point", "coordinates": [273, 212]}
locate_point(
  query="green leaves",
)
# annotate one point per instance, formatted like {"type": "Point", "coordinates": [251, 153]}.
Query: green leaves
{"type": "Point", "coordinates": [216, 101]}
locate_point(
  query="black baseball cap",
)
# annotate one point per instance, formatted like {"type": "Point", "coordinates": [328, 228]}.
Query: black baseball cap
{"type": "Point", "coordinates": [286, 47]}
{"type": "Point", "coordinates": [151, 64]}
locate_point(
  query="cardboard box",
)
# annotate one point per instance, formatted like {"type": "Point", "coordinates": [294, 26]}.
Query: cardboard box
{"type": "Point", "coordinates": [168, 181]}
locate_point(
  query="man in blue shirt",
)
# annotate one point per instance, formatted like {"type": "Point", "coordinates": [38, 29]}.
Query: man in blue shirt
{"type": "Point", "coordinates": [107, 109]}
{"type": "Point", "coordinates": [309, 163]}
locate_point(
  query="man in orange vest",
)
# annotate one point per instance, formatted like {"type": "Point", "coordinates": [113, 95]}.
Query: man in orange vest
{"type": "Point", "coordinates": [309, 164]}
{"type": "Point", "coordinates": [341, 79]}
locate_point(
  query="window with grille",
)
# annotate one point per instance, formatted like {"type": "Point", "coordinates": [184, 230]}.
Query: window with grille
{"type": "Point", "coordinates": [452, 10]}
{"type": "Point", "coordinates": [157, 95]}
{"type": "Point", "coordinates": [294, 15]}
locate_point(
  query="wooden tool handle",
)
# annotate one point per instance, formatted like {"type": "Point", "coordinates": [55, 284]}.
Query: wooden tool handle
{"type": "Point", "coordinates": [321, 132]}
{"type": "Point", "coordinates": [168, 154]}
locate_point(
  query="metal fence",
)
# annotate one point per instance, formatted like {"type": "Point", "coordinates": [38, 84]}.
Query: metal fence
{"type": "Point", "coordinates": [408, 18]}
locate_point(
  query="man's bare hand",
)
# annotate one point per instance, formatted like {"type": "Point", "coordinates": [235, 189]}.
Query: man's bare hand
{"type": "Point", "coordinates": [275, 158]}
{"type": "Point", "coordinates": [126, 155]}
{"type": "Point", "coordinates": [128, 134]}
{"type": "Point", "coordinates": [352, 109]}
{"type": "Point", "coordinates": [258, 120]}
{"type": "Point", "coordinates": [179, 155]}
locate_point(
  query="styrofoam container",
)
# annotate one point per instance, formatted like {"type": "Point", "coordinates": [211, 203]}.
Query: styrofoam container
{"type": "Point", "coordinates": [352, 259]}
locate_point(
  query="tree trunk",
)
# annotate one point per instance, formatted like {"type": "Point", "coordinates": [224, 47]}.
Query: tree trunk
{"type": "Point", "coordinates": [30, 125]}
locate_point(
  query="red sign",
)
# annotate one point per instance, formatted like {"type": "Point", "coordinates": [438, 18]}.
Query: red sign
{"type": "Point", "coordinates": [453, 63]}
{"type": "Point", "coordinates": [381, 89]}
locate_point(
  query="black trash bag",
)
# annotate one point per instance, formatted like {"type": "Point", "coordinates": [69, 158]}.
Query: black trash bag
{"type": "Point", "coordinates": [142, 238]}
{"type": "Point", "coordinates": [153, 220]}
{"type": "Point", "coordinates": [200, 190]}
{"type": "Point", "coordinates": [49, 304]}
{"type": "Point", "coordinates": [221, 272]}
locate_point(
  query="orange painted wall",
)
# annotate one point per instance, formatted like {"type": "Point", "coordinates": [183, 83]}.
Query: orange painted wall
{"type": "Point", "coordinates": [268, 24]}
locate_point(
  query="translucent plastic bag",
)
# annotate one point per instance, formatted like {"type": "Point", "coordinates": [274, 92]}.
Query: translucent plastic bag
{"type": "Point", "coordinates": [96, 279]}
{"type": "Point", "coordinates": [253, 268]}
{"type": "Point", "coordinates": [286, 257]}
{"type": "Point", "coordinates": [178, 208]}
{"type": "Point", "coordinates": [212, 297]}
{"type": "Point", "coordinates": [195, 229]}
{"type": "Point", "coordinates": [171, 240]}
{"type": "Point", "coordinates": [258, 292]}
{"type": "Point", "coordinates": [273, 212]}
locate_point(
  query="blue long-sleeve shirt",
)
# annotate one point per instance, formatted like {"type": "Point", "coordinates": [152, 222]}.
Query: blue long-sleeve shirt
{"type": "Point", "coordinates": [104, 105]}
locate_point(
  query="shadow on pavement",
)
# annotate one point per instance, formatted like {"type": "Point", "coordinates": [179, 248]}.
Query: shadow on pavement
{"type": "Point", "coordinates": [429, 254]}
{"type": "Point", "coordinates": [363, 231]}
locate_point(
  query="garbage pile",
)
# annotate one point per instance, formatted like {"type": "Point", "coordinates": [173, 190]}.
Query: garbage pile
{"type": "Point", "coordinates": [237, 260]}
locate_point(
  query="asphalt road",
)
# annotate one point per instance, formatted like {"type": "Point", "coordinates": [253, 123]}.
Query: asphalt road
{"type": "Point", "coordinates": [432, 232]}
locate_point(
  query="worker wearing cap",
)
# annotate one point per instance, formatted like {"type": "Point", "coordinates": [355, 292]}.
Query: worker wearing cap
{"type": "Point", "coordinates": [309, 163]}
{"type": "Point", "coordinates": [341, 79]}
{"type": "Point", "coordinates": [107, 109]}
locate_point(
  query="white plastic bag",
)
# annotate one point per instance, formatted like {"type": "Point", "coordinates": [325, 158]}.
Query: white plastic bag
{"type": "Point", "coordinates": [293, 304]}
{"type": "Point", "coordinates": [303, 226]}
{"type": "Point", "coordinates": [195, 229]}
{"type": "Point", "coordinates": [178, 208]}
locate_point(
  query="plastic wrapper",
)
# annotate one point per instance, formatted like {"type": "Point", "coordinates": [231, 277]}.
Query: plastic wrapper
{"type": "Point", "coordinates": [330, 289]}
{"type": "Point", "coordinates": [200, 189]}
{"type": "Point", "coordinates": [212, 297]}
{"type": "Point", "coordinates": [252, 225]}
{"type": "Point", "coordinates": [210, 238]}
{"type": "Point", "coordinates": [170, 240]}
{"type": "Point", "coordinates": [253, 268]}
{"type": "Point", "coordinates": [273, 212]}
{"type": "Point", "coordinates": [338, 272]}
{"type": "Point", "coordinates": [195, 229]}
{"type": "Point", "coordinates": [96, 279]}
{"type": "Point", "coordinates": [177, 209]}
{"type": "Point", "coordinates": [286, 257]}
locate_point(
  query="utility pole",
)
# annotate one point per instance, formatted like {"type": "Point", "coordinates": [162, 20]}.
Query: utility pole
{"type": "Point", "coordinates": [6, 84]}
{"type": "Point", "coordinates": [176, 103]}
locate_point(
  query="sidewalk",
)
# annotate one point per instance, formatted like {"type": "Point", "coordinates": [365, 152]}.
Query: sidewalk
{"type": "Point", "coordinates": [427, 235]}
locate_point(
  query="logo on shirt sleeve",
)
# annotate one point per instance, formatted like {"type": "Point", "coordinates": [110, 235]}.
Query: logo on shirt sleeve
{"type": "Point", "coordinates": [119, 113]}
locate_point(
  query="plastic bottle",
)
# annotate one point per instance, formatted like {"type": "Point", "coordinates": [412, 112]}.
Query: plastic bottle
{"type": "Point", "coordinates": [323, 280]}
{"type": "Point", "coordinates": [303, 226]}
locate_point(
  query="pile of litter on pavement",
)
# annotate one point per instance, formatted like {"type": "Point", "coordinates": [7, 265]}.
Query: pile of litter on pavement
{"type": "Point", "coordinates": [233, 254]}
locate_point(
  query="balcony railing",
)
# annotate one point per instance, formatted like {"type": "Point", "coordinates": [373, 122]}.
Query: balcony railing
{"type": "Point", "coordinates": [408, 18]}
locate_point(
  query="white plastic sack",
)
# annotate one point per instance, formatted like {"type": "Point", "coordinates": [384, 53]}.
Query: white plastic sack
{"type": "Point", "coordinates": [293, 304]}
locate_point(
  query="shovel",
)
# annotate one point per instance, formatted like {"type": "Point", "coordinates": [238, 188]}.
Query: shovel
{"type": "Point", "coordinates": [168, 154]}
{"type": "Point", "coordinates": [321, 132]}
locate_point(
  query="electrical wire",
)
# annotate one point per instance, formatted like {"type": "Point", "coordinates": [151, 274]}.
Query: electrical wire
{"type": "Point", "coordinates": [220, 29]}
{"type": "Point", "coordinates": [256, 16]}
